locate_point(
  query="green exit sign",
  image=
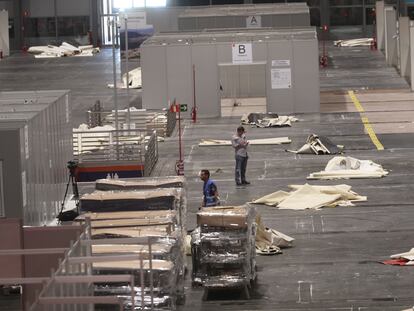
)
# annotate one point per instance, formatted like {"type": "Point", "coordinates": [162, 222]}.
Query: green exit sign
{"type": "Point", "coordinates": [183, 108]}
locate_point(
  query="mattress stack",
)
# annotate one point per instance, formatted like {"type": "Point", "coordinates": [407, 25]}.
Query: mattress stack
{"type": "Point", "coordinates": [223, 247]}
{"type": "Point", "coordinates": [127, 211]}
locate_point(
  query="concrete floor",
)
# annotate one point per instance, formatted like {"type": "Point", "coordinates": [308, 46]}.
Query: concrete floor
{"type": "Point", "coordinates": [334, 263]}
{"type": "Point", "coordinates": [357, 68]}
{"type": "Point", "coordinates": [86, 77]}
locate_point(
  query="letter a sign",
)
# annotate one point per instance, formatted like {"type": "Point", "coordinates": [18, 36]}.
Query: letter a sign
{"type": "Point", "coordinates": [242, 53]}
{"type": "Point", "coordinates": [254, 21]}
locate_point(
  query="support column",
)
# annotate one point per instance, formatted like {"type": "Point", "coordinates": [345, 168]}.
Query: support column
{"type": "Point", "coordinates": [390, 21]}
{"type": "Point", "coordinates": [325, 13]}
{"type": "Point", "coordinates": [94, 21]}
{"type": "Point", "coordinates": [379, 12]}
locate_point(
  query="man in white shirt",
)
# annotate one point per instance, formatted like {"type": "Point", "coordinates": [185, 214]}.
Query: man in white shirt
{"type": "Point", "coordinates": [240, 144]}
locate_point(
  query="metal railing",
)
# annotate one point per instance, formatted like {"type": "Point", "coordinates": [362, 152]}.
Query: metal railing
{"type": "Point", "coordinates": [151, 154]}
{"type": "Point", "coordinates": [125, 145]}
{"type": "Point", "coordinates": [72, 286]}
{"type": "Point", "coordinates": [94, 115]}
{"type": "Point", "coordinates": [110, 145]}
{"type": "Point", "coordinates": [171, 122]}
{"type": "Point", "coordinates": [161, 121]}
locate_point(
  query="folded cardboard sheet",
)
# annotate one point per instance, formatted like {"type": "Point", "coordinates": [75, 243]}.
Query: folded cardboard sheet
{"type": "Point", "coordinates": [130, 219]}
{"type": "Point", "coordinates": [318, 145]}
{"type": "Point", "coordinates": [311, 197]}
{"type": "Point", "coordinates": [270, 241]}
{"type": "Point", "coordinates": [263, 141]}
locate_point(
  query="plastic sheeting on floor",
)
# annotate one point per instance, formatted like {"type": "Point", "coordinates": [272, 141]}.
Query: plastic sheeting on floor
{"type": "Point", "coordinates": [267, 120]}
{"type": "Point", "coordinates": [263, 141]}
{"type": "Point", "coordinates": [402, 259]}
{"type": "Point", "coordinates": [311, 197]}
{"type": "Point", "coordinates": [347, 167]}
{"type": "Point", "coordinates": [318, 145]}
{"type": "Point", "coordinates": [269, 241]}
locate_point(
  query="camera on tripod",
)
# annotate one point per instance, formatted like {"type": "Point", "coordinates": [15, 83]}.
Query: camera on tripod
{"type": "Point", "coordinates": [72, 166]}
{"type": "Point", "coordinates": [72, 214]}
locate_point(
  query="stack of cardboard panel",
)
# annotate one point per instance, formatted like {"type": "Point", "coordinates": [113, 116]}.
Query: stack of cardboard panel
{"type": "Point", "coordinates": [158, 123]}
{"type": "Point", "coordinates": [140, 119]}
{"type": "Point", "coordinates": [133, 212]}
{"type": "Point", "coordinates": [223, 247]}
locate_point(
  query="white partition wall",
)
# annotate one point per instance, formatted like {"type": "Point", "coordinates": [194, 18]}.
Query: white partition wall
{"type": "Point", "coordinates": [391, 50]}
{"type": "Point", "coordinates": [4, 33]}
{"type": "Point", "coordinates": [406, 44]}
{"type": "Point", "coordinates": [274, 15]}
{"type": "Point", "coordinates": [379, 11]}
{"type": "Point", "coordinates": [287, 60]}
{"type": "Point", "coordinates": [405, 55]}
{"type": "Point", "coordinates": [411, 65]}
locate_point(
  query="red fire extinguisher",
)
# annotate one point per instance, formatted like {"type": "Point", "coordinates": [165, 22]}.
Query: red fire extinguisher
{"type": "Point", "coordinates": [194, 114]}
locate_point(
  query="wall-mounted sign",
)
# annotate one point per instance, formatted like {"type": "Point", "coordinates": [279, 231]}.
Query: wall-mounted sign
{"type": "Point", "coordinates": [281, 63]}
{"type": "Point", "coordinates": [135, 20]}
{"type": "Point", "coordinates": [281, 78]}
{"type": "Point", "coordinates": [242, 53]}
{"type": "Point", "coordinates": [254, 21]}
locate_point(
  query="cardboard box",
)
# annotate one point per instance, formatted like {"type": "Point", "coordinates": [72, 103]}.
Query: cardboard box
{"type": "Point", "coordinates": [225, 216]}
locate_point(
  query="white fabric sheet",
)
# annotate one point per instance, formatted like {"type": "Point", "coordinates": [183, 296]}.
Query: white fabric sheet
{"type": "Point", "coordinates": [348, 167]}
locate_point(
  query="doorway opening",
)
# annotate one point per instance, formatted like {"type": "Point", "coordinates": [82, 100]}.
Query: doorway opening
{"type": "Point", "coordinates": [242, 89]}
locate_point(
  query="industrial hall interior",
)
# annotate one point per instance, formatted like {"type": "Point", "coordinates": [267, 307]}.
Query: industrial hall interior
{"type": "Point", "coordinates": [206, 155]}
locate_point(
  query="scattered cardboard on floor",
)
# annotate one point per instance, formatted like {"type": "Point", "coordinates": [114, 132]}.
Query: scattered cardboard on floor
{"type": "Point", "coordinates": [269, 241]}
{"type": "Point", "coordinates": [64, 50]}
{"type": "Point", "coordinates": [263, 141]}
{"type": "Point", "coordinates": [311, 197]}
{"type": "Point", "coordinates": [347, 167]}
{"type": "Point", "coordinates": [402, 259]}
{"type": "Point", "coordinates": [316, 144]}
{"type": "Point", "coordinates": [263, 120]}
{"type": "Point", "coordinates": [354, 42]}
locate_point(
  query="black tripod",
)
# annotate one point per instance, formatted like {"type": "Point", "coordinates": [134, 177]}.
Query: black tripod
{"type": "Point", "coordinates": [70, 215]}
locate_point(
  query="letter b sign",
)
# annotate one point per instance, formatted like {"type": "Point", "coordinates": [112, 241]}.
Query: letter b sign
{"type": "Point", "coordinates": [242, 53]}
{"type": "Point", "coordinates": [242, 49]}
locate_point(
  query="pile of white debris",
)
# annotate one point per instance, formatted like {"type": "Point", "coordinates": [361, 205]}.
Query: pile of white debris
{"type": "Point", "coordinates": [354, 42]}
{"type": "Point", "coordinates": [64, 50]}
